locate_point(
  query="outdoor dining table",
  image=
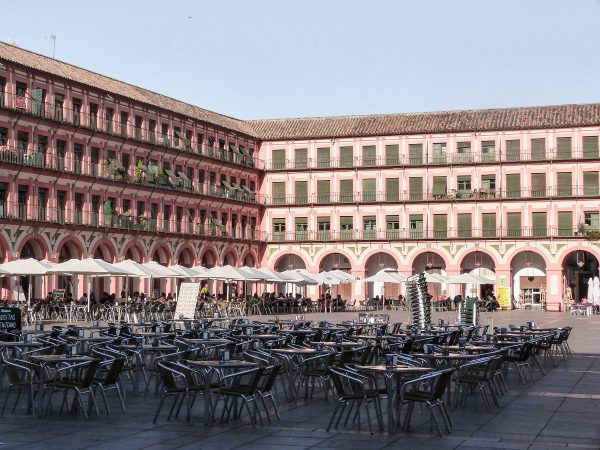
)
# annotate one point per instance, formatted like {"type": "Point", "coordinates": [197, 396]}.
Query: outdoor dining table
{"type": "Point", "coordinates": [339, 345]}
{"type": "Point", "coordinates": [139, 354]}
{"type": "Point", "coordinates": [393, 377]}
{"type": "Point", "coordinates": [452, 359]}
{"type": "Point", "coordinates": [289, 355]}
{"type": "Point", "coordinates": [472, 348]}
{"type": "Point", "coordinates": [208, 367]}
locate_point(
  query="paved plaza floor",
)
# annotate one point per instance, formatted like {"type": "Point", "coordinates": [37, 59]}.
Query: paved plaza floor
{"type": "Point", "coordinates": [560, 410]}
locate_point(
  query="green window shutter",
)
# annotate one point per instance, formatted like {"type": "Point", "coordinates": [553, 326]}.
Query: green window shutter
{"type": "Point", "coordinates": [301, 189]}
{"type": "Point", "coordinates": [368, 155]}
{"type": "Point", "coordinates": [538, 149]}
{"type": "Point", "coordinates": [323, 157]}
{"type": "Point", "coordinates": [513, 149]}
{"type": "Point", "coordinates": [440, 186]}
{"type": "Point", "coordinates": [278, 229]}
{"type": "Point", "coordinates": [464, 225]}
{"type": "Point", "coordinates": [464, 185]}
{"type": "Point", "coordinates": [392, 227]}
{"type": "Point", "coordinates": [278, 157]}
{"type": "Point", "coordinates": [513, 221]}
{"type": "Point", "coordinates": [301, 158]}
{"type": "Point", "coordinates": [37, 99]}
{"type": "Point", "coordinates": [538, 185]}
{"type": "Point", "coordinates": [324, 228]}
{"type": "Point", "coordinates": [323, 191]}
{"type": "Point", "coordinates": [590, 183]}
{"type": "Point", "coordinates": [415, 188]}
{"type": "Point", "coordinates": [346, 190]}
{"type": "Point", "coordinates": [565, 223]}
{"type": "Point", "coordinates": [392, 189]}
{"type": "Point", "coordinates": [391, 154]}
{"type": "Point", "coordinates": [346, 227]}
{"type": "Point", "coordinates": [440, 226]}
{"type": "Point", "coordinates": [278, 193]}
{"type": "Point", "coordinates": [301, 225]}
{"type": "Point", "coordinates": [488, 221]}
{"type": "Point", "coordinates": [346, 156]}
{"type": "Point", "coordinates": [563, 148]}
{"type": "Point", "coordinates": [369, 193]}
{"type": "Point", "coordinates": [488, 183]}
{"type": "Point", "coordinates": [415, 154]}
{"type": "Point", "coordinates": [590, 147]}
{"type": "Point", "coordinates": [539, 224]}
{"type": "Point", "coordinates": [439, 153]}
{"type": "Point", "coordinates": [564, 181]}
{"type": "Point", "coordinates": [416, 226]}
{"type": "Point", "coordinates": [513, 185]}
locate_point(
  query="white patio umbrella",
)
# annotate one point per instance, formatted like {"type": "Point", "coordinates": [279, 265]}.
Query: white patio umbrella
{"type": "Point", "coordinates": [386, 276]}
{"type": "Point", "coordinates": [185, 272]}
{"type": "Point", "coordinates": [434, 278]}
{"type": "Point", "coordinates": [343, 275]}
{"type": "Point", "coordinates": [467, 278]}
{"type": "Point", "coordinates": [277, 277]}
{"type": "Point", "coordinates": [26, 267]}
{"type": "Point", "coordinates": [596, 290]}
{"type": "Point", "coordinates": [329, 279]}
{"type": "Point", "coordinates": [226, 273]}
{"type": "Point", "coordinates": [89, 267]}
{"type": "Point", "coordinates": [300, 277]}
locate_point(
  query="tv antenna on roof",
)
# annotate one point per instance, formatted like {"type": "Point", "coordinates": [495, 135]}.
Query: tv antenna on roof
{"type": "Point", "coordinates": [53, 37]}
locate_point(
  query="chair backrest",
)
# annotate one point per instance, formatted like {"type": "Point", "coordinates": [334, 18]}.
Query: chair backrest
{"type": "Point", "coordinates": [112, 376]}
{"type": "Point", "coordinates": [269, 377]}
{"type": "Point", "coordinates": [345, 357]}
{"type": "Point", "coordinates": [90, 373]}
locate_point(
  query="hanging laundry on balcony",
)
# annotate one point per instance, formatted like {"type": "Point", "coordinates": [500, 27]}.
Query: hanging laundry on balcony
{"type": "Point", "coordinates": [21, 103]}
{"type": "Point", "coordinates": [172, 177]}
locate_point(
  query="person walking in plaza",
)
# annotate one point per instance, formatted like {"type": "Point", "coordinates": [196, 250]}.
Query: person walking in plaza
{"type": "Point", "coordinates": [457, 301]}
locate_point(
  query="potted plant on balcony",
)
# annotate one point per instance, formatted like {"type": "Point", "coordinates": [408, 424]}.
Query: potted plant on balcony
{"type": "Point", "coordinates": [111, 168]}
{"type": "Point", "coordinates": [138, 172]}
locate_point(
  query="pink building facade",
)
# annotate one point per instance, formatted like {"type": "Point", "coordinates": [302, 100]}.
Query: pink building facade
{"type": "Point", "coordinates": [95, 167]}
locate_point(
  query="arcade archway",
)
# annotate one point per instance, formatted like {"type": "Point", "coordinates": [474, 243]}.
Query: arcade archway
{"type": "Point", "coordinates": [374, 264]}
{"type": "Point", "coordinates": [528, 270]}
{"type": "Point", "coordinates": [578, 268]}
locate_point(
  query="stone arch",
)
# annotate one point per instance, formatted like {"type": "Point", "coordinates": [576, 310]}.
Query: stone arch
{"type": "Point", "coordinates": [69, 248]}
{"type": "Point", "coordinates": [208, 257]}
{"type": "Point", "coordinates": [350, 260]}
{"type": "Point", "coordinates": [579, 265]}
{"type": "Point", "coordinates": [510, 255]}
{"type": "Point", "coordinates": [186, 256]}
{"type": "Point", "coordinates": [465, 252]}
{"type": "Point", "coordinates": [5, 252]}
{"type": "Point", "coordinates": [33, 247]}
{"type": "Point", "coordinates": [387, 251]}
{"type": "Point", "coordinates": [436, 255]}
{"type": "Point", "coordinates": [161, 254]}
{"type": "Point", "coordinates": [104, 249]}
{"type": "Point", "coordinates": [229, 257]}
{"type": "Point", "coordinates": [249, 259]}
{"type": "Point", "coordinates": [135, 251]}
{"type": "Point", "coordinates": [289, 260]}
{"type": "Point", "coordinates": [528, 268]}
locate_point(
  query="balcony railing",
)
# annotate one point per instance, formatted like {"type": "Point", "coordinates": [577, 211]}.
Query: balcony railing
{"type": "Point", "coordinates": [108, 170]}
{"type": "Point", "coordinates": [407, 234]}
{"type": "Point", "coordinates": [550, 154]}
{"type": "Point", "coordinates": [100, 122]}
{"type": "Point", "coordinates": [574, 191]}
{"type": "Point", "coordinates": [85, 216]}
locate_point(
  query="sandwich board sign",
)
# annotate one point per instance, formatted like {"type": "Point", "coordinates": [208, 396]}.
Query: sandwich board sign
{"type": "Point", "coordinates": [187, 298]}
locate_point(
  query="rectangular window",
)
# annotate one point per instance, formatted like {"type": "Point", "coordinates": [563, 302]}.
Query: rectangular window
{"type": "Point", "coordinates": [590, 147]}
{"type": "Point", "coordinates": [415, 188]}
{"type": "Point", "coordinates": [301, 227]}
{"type": "Point", "coordinates": [415, 225]}
{"type": "Point", "coordinates": [278, 229]}
{"type": "Point", "coordinates": [488, 184]}
{"type": "Point", "coordinates": [109, 120]}
{"type": "Point", "coordinates": [392, 227]}
{"type": "Point", "coordinates": [78, 208]}
{"type": "Point", "coordinates": [2, 91]}
{"type": "Point", "coordinates": [176, 136]}
{"type": "Point", "coordinates": [538, 149]}
{"type": "Point", "coordinates": [415, 154]}
{"type": "Point", "coordinates": [368, 156]}
{"type": "Point", "coordinates": [164, 135]}
{"type": "Point", "coordinates": [539, 224]}
{"type": "Point", "coordinates": [76, 112]}
{"type": "Point", "coordinates": [488, 151]}
{"type": "Point", "coordinates": [199, 142]}
{"type": "Point", "coordinates": [440, 187]}
{"type": "Point", "coordinates": [22, 141]}
{"type": "Point", "coordinates": [392, 189]}
{"type": "Point", "coordinates": [324, 228]}
{"type": "Point", "coordinates": [513, 150]}
{"type": "Point", "coordinates": [152, 131]}
{"type": "Point", "coordinates": [77, 158]}
{"type": "Point", "coordinates": [59, 102]}
{"type": "Point", "coordinates": [564, 182]}
{"type": "Point", "coordinates": [278, 159]}
{"type": "Point", "coordinates": [369, 227]}
{"type": "Point", "coordinates": [346, 227]}
{"type": "Point", "coordinates": [346, 156]}
{"type": "Point", "coordinates": [369, 193]}
{"type": "Point", "coordinates": [323, 191]}
{"type": "Point", "coordinates": [138, 127]}
{"type": "Point", "coordinates": [278, 189]}
{"type": "Point", "coordinates": [3, 135]}
{"type": "Point", "coordinates": [93, 116]}
{"type": "Point", "coordinates": [513, 224]}
{"type": "Point", "coordinates": [124, 119]}
{"type": "Point", "coordinates": [591, 220]}
{"type": "Point", "coordinates": [391, 154]}
{"type": "Point", "coordinates": [463, 183]}
{"type": "Point", "coordinates": [513, 185]}
{"type": "Point", "coordinates": [60, 154]}
{"type": "Point", "coordinates": [463, 152]}
{"type": "Point", "coordinates": [565, 223]}
{"type": "Point", "coordinates": [346, 191]}
{"type": "Point", "coordinates": [538, 185]}
{"type": "Point", "coordinates": [301, 158]}
{"type": "Point", "coordinates": [488, 221]}
{"type": "Point", "coordinates": [590, 183]}
{"type": "Point", "coordinates": [563, 148]}
{"type": "Point", "coordinates": [440, 226]}
{"type": "Point", "coordinates": [464, 225]}
{"type": "Point", "coordinates": [38, 97]}
{"type": "Point", "coordinates": [301, 193]}
{"type": "Point", "coordinates": [439, 153]}
{"type": "Point", "coordinates": [323, 158]}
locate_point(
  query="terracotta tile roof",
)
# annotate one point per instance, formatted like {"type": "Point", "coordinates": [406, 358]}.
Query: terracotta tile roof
{"type": "Point", "coordinates": [561, 116]}
{"type": "Point", "coordinates": [67, 71]}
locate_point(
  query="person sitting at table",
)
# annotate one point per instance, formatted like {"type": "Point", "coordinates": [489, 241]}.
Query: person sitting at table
{"type": "Point", "coordinates": [169, 297]}
{"type": "Point", "coordinates": [163, 297]}
{"type": "Point", "coordinates": [48, 298]}
{"type": "Point", "coordinates": [83, 299]}
{"type": "Point", "coordinates": [339, 304]}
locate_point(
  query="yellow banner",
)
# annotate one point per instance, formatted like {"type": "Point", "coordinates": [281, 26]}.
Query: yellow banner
{"type": "Point", "coordinates": [504, 297]}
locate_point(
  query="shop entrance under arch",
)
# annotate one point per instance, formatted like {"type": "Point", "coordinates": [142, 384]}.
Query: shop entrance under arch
{"type": "Point", "coordinates": [374, 264]}
{"type": "Point", "coordinates": [578, 268]}
{"type": "Point", "coordinates": [478, 263]}
{"type": "Point", "coordinates": [337, 261]}
{"type": "Point", "coordinates": [433, 263]}
{"type": "Point", "coordinates": [529, 281]}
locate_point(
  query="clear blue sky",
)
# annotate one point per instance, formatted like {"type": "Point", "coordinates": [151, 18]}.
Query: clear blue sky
{"type": "Point", "coordinates": [293, 58]}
